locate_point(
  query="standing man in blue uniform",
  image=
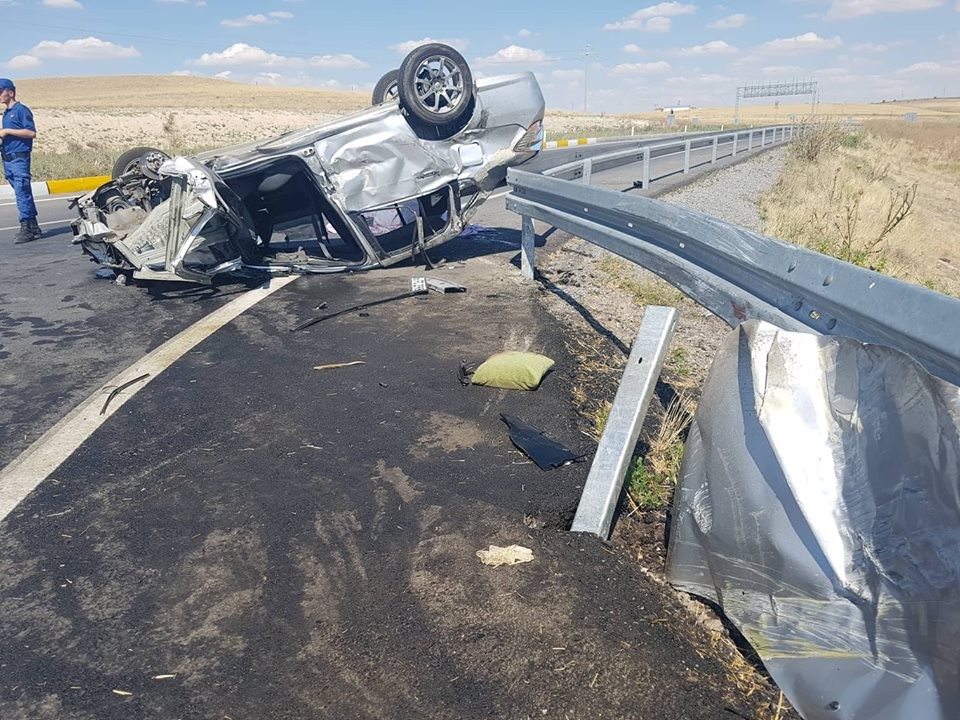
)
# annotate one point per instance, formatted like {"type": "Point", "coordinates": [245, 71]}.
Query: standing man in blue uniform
{"type": "Point", "coordinates": [18, 133]}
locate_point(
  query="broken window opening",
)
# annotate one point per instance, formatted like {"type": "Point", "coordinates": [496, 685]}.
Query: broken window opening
{"type": "Point", "coordinates": [293, 218]}
{"type": "Point", "coordinates": [394, 227]}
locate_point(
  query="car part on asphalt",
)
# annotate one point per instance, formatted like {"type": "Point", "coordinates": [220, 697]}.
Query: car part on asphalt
{"type": "Point", "coordinates": [546, 453]}
{"type": "Point", "coordinates": [365, 190]}
{"type": "Point", "coordinates": [819, 507]}
{"type": "Point", "coordinates": [119, 389]}
{"type": "Point", "coordinates": [417, 287]}
{"type": "Point", "coordinates": [337, 366]}
{"type": "Point", "coordinates": [601, 491]}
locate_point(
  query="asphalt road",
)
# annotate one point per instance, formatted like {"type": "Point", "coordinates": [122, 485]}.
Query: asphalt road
{"type": "Point", "coordinates": [249, 537]}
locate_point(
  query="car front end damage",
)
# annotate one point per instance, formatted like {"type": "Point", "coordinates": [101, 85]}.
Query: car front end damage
{"type": "Point", "coordinates": [361, 192]}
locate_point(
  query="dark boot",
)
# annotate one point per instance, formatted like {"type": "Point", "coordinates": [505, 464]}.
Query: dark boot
{"type": "Point", "coordinates": [26, 233]}
{"type": "Point", "coordinates": [35, 228]}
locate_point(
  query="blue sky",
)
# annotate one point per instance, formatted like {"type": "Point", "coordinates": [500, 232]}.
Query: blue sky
{"type": "Point", "coordinates": [636, 55]}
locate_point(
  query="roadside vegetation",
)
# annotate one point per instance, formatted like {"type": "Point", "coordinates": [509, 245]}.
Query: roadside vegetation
{"type": "Point", "coordinates": [882, 196]}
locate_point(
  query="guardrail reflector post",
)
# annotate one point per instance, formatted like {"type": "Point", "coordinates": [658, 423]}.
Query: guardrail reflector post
{"type": "Point", "coordinates": [713, 154]}
{"type": "Point", "coordinates": [736, 136]}
{"type": "Point", "coordinates": [763, 137]}
{"type": "Point", "coordinates": [624, 422]}
{"type": "Point", "coordinates": [645, 174]}
{"type": "Point", "coordinates": [528, 240]}
{"type": "Point", "coordinates": [749, 140]}
{"type": "Point", "coordinates": [587, 171]}
{"type": "Point", "coordinates": [686, 157]}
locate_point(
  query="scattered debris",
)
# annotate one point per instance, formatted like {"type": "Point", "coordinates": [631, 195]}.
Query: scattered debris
{"type": "Point", "coordinates": [417, 287]}
{"type": "Point", "coordinates": [163, 677]}
{"type": "Point", "coordinates": [122, 693]}
{"type": "Point", "coordinates": [334, 366]}
{"type": "Point", "coordinates": [546, 453]}
{"type": "Point", "coordinates": [121, 280]}
{"type": "Point", "coordinates": [512, 370]}
{"type": "Point", "coordinates": [104, 273]}
{"type": "Point", "coordinates": [495, 556]}
{"type": "Point", "coordinates": [120, 388]}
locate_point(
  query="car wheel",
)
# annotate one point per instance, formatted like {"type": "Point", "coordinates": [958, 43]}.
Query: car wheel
{"type": "Point", "coordinates": [386, 88]}
{"type": "Point", "coordinates": [436, 90]}
{"type": "Point", "coordinates": [131, 160]}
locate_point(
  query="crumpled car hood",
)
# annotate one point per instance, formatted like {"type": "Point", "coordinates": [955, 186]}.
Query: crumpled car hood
{"type": "Point", "coordinates": [819, 506]}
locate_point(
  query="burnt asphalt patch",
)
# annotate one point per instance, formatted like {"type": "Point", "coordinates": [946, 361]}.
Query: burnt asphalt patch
{"type": "Point", "coordinates": [293, 543]}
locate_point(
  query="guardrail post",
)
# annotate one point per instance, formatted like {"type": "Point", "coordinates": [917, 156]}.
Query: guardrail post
{"type": "Point", "coordinates": [645, 173]}
{"type": "Point", "coordinates": [749, 139]}
{"type": "Point", "coordinates": [586, 171]}
{"type": "Point", "coordinates": [736, 135]}
{"type": "Point", "coordinates": [528, 240]}
{"type": "Point", "coordinates": [686, 157]}
{"type": "Point", "coordinates": [713, 154]}
{"type": "Point", "coordinates": [763, 137]}
{"type": "Point", "coordinates": [601, 491]}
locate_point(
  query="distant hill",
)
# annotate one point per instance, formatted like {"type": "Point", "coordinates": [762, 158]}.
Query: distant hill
{"type": "Point", "coordinates": [175, 91]}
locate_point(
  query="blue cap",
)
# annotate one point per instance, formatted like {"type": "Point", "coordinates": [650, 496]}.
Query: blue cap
{"type": "Point", "coordinates": [7, 84]}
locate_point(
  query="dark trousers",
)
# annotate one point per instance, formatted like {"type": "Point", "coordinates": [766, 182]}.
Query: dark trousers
{"type": "Point", "coordinates": [17, 171]}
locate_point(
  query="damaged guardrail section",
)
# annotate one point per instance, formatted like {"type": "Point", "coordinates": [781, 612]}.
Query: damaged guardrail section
{"type": "Point", "coordinates": [819, 496]}
{"type": "Point", "coordinates": [739, 274]}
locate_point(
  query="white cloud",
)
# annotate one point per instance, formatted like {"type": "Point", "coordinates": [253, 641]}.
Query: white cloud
{"type": "Point", "coordinates": [68, 4]}
{"type": "Point", "coordinates": [846, 9]}
{"type": "Point", "coordinates": [782, 71]}
{"type": "Point", "coordinates": [407, 45]}
{"type": "Point", "coordinates": [337, 61]}
{"type": "Point", "coordinates": [640, 20]}
{"type": "Point", "coordinates": [524, 33]}
{"type": "Point", "coordinates": [516, 54]}
{"type": "Point", "coordinates": [633, 49]}
{"type": "Point", "coordinates": [714, 47]}
{"type": "Point", "coordinates": [730, 22]}
{"type": "Point", "coordinates": [928, 68]}
{"type": "Point", "coordinates": [240, 54]}
{"type": "Point", "coordinates": [88, 48]}
{"type": "Point", "coordinates": [658, 25]}
{"type": "Point", "coordinates": [805, 43]}
{"type": "Point", "coordinates": [22, 62]}
{"type": "Point", "coordinates": [650, 68]}
{"type": "Point", "coordinates": [272, 18]}
{"type": "Point", "coordinates": [875, 47]}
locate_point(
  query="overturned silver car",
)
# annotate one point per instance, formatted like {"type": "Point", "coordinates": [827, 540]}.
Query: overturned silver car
{"type": "Point", "coordinates": [367, 190]}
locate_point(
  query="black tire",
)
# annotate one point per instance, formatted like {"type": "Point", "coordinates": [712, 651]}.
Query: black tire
{"type": "Point", "coordinates": [130, 160]}
{"type": "Point", "coordinates": [386, 88]}
{"type": "Point", "coordinates": [436, 90]}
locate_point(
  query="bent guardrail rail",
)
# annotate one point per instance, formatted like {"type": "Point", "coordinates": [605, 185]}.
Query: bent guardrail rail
{"type": "Point", "coordinates": [739, 274]}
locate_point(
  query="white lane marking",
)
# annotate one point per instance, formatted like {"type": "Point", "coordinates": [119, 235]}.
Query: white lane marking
{"type": "Point", "coordinates": [63, 198]}
{"type": "Point", "coordinates": [51, 222]}
{"type": "Point", "coordinates": [35, 464]}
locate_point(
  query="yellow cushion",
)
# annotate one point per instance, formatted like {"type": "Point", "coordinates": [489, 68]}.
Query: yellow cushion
{"type": "Point", "coordinates": [513, 370]}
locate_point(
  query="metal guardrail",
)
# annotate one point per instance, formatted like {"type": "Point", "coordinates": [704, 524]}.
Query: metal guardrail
{"type": "Point", "coordinates": [739, 141]}
{"type": "Point", "coordinates": [739, 274]}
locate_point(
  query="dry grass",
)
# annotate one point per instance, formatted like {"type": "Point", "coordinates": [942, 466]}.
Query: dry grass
{"type": "Point", "coordinates": [652, 479]}
{"type": "Point", "coordinates": [623, 275]}
{"type": "Point", "coordinates": [884, 197]}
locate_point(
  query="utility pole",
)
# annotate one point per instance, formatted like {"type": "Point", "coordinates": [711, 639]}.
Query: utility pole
{"type": "Point", "coordinates": [586, 57]}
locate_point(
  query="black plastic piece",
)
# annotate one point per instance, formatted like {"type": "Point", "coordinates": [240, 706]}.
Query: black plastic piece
{"type": "Point", "coordinates": [546, 453]}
